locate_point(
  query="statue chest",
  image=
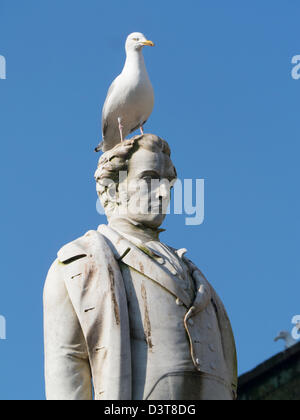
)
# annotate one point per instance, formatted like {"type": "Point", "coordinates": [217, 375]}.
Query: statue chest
{"type": "Point", "coordinates": [154, 313]}
{"type": "Point", "coordinates": [159, 341]}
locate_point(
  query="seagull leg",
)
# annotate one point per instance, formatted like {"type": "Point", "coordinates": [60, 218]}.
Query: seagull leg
{"type": "Point", "coordinates": [121, 129]}
{"type": "Point", "coordinates": [142, 130]}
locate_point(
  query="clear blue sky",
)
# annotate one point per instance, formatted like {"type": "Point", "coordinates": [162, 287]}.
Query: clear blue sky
{"type": "Point", "coordinates": [226, 103]}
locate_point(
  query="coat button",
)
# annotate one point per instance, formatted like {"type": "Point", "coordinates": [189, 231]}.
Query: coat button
{"type": "Point", "coordinates": [198, 363]}
{"type": "Point", "coordinates": [211, 347]}
{"type": "Point", "coordinates": [213, 366]}
{"type": "Point", "coordinates": [178, 302]}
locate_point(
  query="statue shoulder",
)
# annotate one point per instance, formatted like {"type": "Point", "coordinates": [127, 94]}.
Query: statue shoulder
{"type": "Point", "coordinates": [74, 257]}
{"type": "Point", "coordinates": [191, 266]}
{"type": "Point", "coordinates": [73, 251]}
{"type": "Point", "coordinates": [68, 254]}
{"type": "Point", "coordinates": [79, 248]}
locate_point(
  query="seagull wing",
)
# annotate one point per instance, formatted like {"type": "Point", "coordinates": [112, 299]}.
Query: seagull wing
{"type": "Point", "coordinates": [105, 110]}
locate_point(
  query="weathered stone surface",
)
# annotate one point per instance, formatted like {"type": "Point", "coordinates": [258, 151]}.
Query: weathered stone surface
{"type": "Point", "coordinates": [127, 314]}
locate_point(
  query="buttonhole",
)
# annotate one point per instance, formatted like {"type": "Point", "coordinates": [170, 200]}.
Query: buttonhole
{"type": "Point", "coordinates": [77, 275]}
{"type": "Point", "coordinates": [99, 348]}
{"type": "Point", "coordinates": [89, 309]}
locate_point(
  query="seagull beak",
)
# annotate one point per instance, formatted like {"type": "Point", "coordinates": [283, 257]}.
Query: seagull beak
{"type": "Point", "coordinates": [148, 43]}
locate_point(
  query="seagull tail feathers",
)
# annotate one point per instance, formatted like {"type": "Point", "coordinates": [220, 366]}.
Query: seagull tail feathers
{"type": "Point", "coordinates": [99, 148]}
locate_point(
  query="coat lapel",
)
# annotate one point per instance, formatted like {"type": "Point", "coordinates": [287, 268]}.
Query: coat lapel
{"type": "Point", "coordinates": [134, 257]}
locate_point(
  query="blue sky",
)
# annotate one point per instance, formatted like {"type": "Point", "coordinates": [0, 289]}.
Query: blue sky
{"type": "Point", "coordinates": [226, 103]}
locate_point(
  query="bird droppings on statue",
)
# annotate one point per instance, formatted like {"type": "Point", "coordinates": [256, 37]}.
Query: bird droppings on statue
{"type": "Point", "coordinates": [130, 98]}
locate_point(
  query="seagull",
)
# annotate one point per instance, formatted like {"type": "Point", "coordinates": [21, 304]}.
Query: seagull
{"type": "Point", "coordinates": [287, 337]}
{"type": "Point", "coordinates": [130, 98]}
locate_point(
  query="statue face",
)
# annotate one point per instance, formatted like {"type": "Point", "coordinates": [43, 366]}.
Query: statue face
{"type": "Point", "coordinates": [145, 194]}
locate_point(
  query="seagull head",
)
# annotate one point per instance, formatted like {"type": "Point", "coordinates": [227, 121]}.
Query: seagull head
{"type": "Point", "coordinates": [136, 41]}
{"type": "Point", "coordinates": [283, 335]}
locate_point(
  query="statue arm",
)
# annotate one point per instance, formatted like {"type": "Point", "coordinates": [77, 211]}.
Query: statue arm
{"type": "Point", "coordinates": [67, 368]}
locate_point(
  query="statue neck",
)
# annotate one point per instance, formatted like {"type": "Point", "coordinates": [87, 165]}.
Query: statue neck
{"type": "Point", "coordinates": [134, 231]}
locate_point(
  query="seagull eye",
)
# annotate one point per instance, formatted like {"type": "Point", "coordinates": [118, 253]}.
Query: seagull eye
{"type": "Point", "coordinates": [135, 39]}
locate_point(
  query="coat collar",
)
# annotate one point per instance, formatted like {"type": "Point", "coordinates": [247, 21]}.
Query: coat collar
{"type": "Point", "coordinates": [143, 262]}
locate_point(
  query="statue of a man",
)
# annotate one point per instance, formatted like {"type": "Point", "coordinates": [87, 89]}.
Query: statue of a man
{"type": "Point", "coordinates": [126, 316]}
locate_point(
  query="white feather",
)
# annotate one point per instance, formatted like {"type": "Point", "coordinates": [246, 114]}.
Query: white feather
{"type": "Point", "coordinates": [130, 96]}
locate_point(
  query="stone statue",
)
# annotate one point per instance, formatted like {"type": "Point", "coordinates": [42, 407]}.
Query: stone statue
{"type": "Point", "coordinates": [127, 317]}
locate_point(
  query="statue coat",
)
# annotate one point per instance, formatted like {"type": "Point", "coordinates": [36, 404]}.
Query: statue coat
{"type": "Point", "coordinates": [86, 322]}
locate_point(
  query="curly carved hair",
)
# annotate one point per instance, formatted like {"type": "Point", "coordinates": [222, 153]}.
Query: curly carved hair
{"type": "Point", "coordinates": [116, 160]}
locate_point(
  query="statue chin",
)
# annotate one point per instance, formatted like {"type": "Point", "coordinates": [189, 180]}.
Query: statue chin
{"type": "Point", "coordinates": [152, 221]}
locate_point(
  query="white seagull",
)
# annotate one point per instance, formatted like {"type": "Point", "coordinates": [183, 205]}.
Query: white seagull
{"type": "Point", "coordinates": [130, 98]}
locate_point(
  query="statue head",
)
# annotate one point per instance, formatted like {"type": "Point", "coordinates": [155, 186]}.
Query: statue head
{"type": "Point", "coordinates": [134, 180]}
